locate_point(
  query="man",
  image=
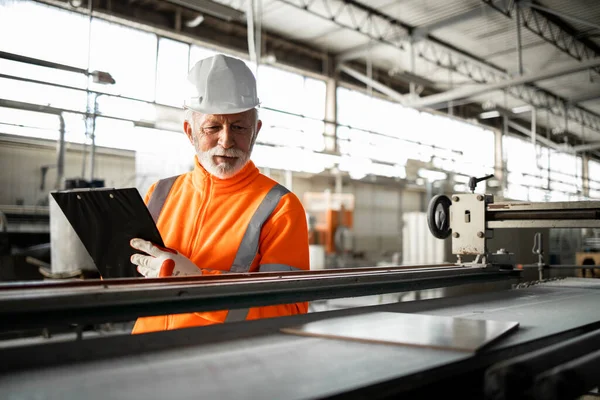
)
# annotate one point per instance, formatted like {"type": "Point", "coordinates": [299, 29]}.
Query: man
{"type": "Point", "coordinates": [224, 216]}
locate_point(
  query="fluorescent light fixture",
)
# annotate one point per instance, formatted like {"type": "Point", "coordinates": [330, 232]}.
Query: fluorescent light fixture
{"type": "Point", "coordinates": [489, 114]}
{"type": "Point", "coordinates": [521, 109]}
{"type": "Point", "coordinates": [211, 8]}
{"type": "Point", "coordinates": [195, 22]}
{"type": "Point", "coordinates": [103, 78]}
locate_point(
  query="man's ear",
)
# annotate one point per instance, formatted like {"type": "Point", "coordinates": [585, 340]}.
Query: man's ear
{"type": "Point", "coordinates": [258, 126]}
{"type": "Point", "coordinates": [187, 129]}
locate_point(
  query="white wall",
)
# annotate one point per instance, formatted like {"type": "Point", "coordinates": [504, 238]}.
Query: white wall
{"type": "Point", "coordinates": [21, 160]}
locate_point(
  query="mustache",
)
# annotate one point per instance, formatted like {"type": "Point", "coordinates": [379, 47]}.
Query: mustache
{"type": "Point", "coordinates": [216, 151]}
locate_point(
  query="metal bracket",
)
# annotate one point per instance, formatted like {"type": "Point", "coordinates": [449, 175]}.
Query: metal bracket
{"type": "Point", "coordinates": [467, 219]}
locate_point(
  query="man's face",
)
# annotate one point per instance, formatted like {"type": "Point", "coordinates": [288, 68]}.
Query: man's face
{"type": "Point", "coordinates": [223, 142]}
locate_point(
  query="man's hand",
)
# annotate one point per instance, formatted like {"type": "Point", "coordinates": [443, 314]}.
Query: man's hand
{"type": "Point", "coordinates": [161, 261]}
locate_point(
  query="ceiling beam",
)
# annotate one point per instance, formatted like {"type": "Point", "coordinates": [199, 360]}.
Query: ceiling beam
{"type": "Point", "coordinates": [413, 34]}
{"type": "Point", "coordinates": [473, 90]}
{"type": "Point", "coordinates": [586, 147]}
{"type": "Point", "coordinates": [400, 98]}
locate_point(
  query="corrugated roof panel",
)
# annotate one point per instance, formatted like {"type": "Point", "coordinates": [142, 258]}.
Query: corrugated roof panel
{"type": "Point", "coordinates": [421, 12]}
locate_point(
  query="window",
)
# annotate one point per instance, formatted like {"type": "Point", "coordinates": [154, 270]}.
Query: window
{"type": "Point", "coordinates": [127, 54]}
{"type": "Point", "coordinates": [387, 132]}
{"type": "Point", "coordinates": [541, 174]}
{"type": "Point", "coordinates": [41, 94]}
{"type": "Point", "coordinates": [565, 172]}
{"type": "Point", "coordinates": [60, 36]}
{"type": "Point", "coordinates": [172, 72]}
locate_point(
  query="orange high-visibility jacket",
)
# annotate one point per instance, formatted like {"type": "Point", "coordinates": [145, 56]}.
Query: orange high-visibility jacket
{"type": "Point", "coordinates": [207, 219]}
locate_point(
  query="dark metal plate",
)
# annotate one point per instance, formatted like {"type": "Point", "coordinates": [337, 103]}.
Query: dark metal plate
{"type": "Point", "coordinates": [432, 331]}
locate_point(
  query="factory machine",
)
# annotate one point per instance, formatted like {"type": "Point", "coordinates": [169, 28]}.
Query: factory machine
{"type": "Point", "coordinates": [551, 351]}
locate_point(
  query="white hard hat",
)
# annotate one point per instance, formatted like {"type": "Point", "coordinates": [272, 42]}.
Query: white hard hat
{"type": "Point", "coordinates": [221, 85]}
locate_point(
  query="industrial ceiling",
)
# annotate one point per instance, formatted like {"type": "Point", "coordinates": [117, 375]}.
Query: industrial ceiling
{"type": "Point", "coordinates": [484, 55]}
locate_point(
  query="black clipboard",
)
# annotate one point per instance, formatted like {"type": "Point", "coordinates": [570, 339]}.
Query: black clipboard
{"type": "Point", "coordinates": [105, 220]}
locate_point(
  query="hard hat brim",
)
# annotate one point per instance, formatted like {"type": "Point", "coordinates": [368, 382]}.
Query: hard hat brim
{"type": "Point", "coordinates": [218, 110]}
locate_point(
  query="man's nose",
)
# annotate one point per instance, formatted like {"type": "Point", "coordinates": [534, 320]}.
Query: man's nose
{"type": "Point", "coordinates": [226, 138]}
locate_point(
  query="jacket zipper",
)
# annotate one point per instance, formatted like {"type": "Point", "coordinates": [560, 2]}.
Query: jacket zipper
{"type": "Point", "coordinates": [200, 220]}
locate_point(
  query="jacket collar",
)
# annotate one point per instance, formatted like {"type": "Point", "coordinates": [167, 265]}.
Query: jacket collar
{"type": "Point", "coordinates": [201, 178]}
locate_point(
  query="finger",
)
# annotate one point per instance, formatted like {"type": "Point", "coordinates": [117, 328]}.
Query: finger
{"type": "Point", "coordinates": [167, 267]}
{"type": "Point", "coordinates": [141, 260]}
{"type": "Point", "coordinates": [148, 272]}
{"type": "Point", "coordinates": [145, 246]}
{"type": "Point", "coordinates": [143, 271]}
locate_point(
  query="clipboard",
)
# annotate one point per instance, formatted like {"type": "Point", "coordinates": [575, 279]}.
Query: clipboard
{"type": "Point", "coordinates": [106, 219]}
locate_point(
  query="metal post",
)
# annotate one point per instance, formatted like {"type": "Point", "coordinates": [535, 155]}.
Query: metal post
{"type": "Point", "coordinates": [534, 135]}
{"type": "Point", "coordinates": [60, 156]}
{"type": "Point", "coordinates": [338, 183]}
{"type": "Point", "coordinates": [93, 137]}
{"type": "Point", "coordinates": [369, 72]}
{"type": "Point", "coordinates": [331, 107]}
{"type": "Point", "coordinates": [499, 155]}
{"type": "Point", "coordinates": [585, 174]}
{"type": "Point", "coordinates": [156, 59]}
{"type": "Point", "coordinates": [413, 92]}
{"type": "Point", "coordinates": [451, 102]}
{"type": "Point", "coordinates": [549, 137]}
{"type": "Point", "coordinates": [519, 46]}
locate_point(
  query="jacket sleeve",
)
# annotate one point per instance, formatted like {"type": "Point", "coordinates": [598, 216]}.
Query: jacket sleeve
{"type": "Point", "coordinates": [284, 247]}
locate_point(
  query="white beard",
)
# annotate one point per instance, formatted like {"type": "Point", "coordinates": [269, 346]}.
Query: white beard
{"type": "Point", "coordinates": [223, 170]}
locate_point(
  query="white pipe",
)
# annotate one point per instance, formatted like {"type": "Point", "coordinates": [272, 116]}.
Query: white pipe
{"type": "Point", "coordinates": [586, 147]}
{"type": "Point", "coordinates": [60, 154]}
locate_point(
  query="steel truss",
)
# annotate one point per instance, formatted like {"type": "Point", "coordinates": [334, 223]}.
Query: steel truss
{"type": "Point", "coordinates": [385, 29]}
{"type": "Point", "coordinates": [561, 37]}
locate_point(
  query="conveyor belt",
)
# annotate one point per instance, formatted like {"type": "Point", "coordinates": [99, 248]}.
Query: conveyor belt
{"type": "Point", "coordinates": [252, 360]}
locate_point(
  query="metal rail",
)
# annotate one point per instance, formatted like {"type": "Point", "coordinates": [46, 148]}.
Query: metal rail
{"type": "Point", "coordinates": [516, 376]}
{"type": "Point", "coordinates": [570, 380]}
{"type": "Point", "coordinates": [578, 214]}
{"type": "Point", "coordinates": [24, 306]}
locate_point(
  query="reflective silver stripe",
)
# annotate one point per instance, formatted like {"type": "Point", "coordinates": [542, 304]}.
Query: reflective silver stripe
{"type": "Point", "coordinates": [159, 195]}
{"type": "Point", "coordinates": [277, 267]}
{"type": "Point", "coordinates": [237, 315]}
{"type": "Point", "coordinates": [249, 244]}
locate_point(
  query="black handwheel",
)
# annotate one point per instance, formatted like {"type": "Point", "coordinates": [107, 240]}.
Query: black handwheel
{"type": "Point", "coordinates": [438, 216]}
